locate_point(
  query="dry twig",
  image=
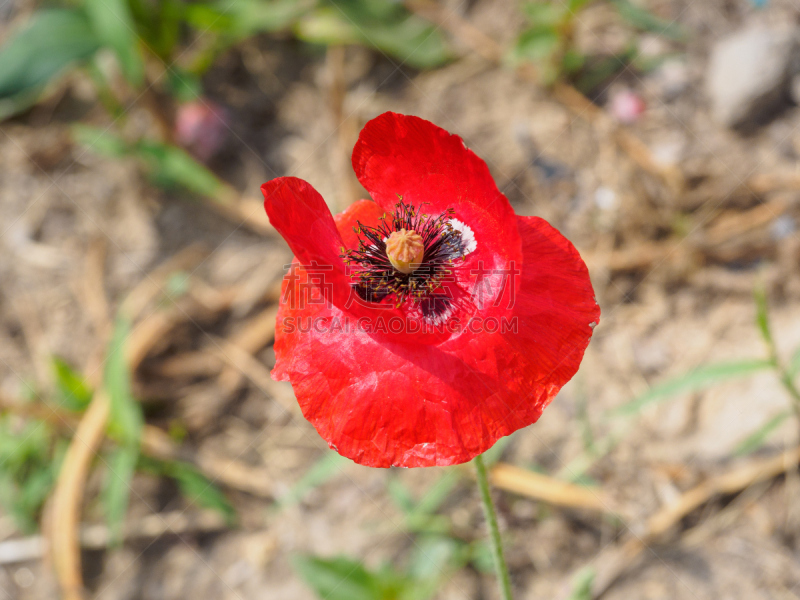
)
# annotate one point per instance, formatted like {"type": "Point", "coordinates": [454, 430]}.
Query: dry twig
{"type": "Point", "coordinates": [620, 558]}
{"type": "Point", "coordinates": [98, 537]}
{"type": "Point", "coordinates": [547, 489]}
{"type": "Point", "coordinates": [68, 497]}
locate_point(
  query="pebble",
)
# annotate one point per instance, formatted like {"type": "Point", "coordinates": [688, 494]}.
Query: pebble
{"type": "Point", "coordinates": [605, 198]}
{"type": "Point", "coordinates": [749, 74]}
{"type": "Point", "coordinates": [671, 79]}
{"type": "Point", "coordinates": [783, 227]}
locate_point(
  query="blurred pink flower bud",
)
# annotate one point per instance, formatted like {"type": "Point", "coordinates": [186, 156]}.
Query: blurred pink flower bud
{"type": "Point", "coordinates": [201, 127]}
{"type": "Point", "coordinates": [627, 106]}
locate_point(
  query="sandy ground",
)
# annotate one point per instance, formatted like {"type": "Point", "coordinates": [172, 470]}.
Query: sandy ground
{"type": "Point", "coordinates": [673, 270]}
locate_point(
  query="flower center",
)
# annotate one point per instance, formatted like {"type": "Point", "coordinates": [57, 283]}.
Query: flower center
{"type": "Point", "coordinates": [408, 256]}
{"type": "Point", "coordinates": [405, 250]}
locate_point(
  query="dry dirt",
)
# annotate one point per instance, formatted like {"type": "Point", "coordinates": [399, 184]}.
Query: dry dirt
{"type": "Point", "coordinates": [673, 270]}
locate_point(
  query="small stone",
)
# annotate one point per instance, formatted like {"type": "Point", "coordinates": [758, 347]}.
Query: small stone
{"type": "Point", "coordinates": [782, 228]}
{"type": "Point", "coordinates": [749, 74]}
{"type": "Point", "coordinates": [605, 198]}
{"type": "Point", "coordinates": [668, 152]}
{"type": "Point", "coordinates": [24, 577]}
{"type": "Point", "coordinates": [671, 79]}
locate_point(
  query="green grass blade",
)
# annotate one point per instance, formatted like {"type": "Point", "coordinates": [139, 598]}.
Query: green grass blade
{"type": "Point", "coordinates": [758, 438]}
{"type": "Point", "coordinates": [112, 23]}
{"type": "Point", "coordinates": [325, 469]}
{"type": "Point", "coordinates": [100, 141]}
{"type": "Point", "coordinates": [794, 364]}
{"type": "Point", "coordinates": [170, 167]}
{"type": "Point", "coordinates": [762, 317]}
{"type": "Point", "coordinates": [116, 494]}
{"type": "Point", "coordinates": [693, 381]}
{"type": "Point", "coordinates": [643, 19]}
{"type": "Point", "coordinates": [582, 584]}
{"type": "Point", "coordinates": [197, 488]}
{"type": "Point", "coordinates": [52, 40]}
{"type": "Point", "coordinates": [337, 578]}
{"type": "Point", "coordinates": [72, 391]}
{"type": "Point", "coordinates": [126, 419]}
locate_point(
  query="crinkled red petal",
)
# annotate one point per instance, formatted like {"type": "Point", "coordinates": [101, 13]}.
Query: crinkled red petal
{"type": "Point", "coordinates": [298, 295]}
{"type": "Point", "coordinates": [382, 404]}
{"type": "Point", "coordinates": [304, 220]}
{"type": "Point", "coordinates": [405, 156]}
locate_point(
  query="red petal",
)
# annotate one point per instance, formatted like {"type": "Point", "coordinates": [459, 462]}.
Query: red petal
{"type": "Point", "coordinates": [381, 403]}
{"type": "Point", "coordinates": [301, 216]}
{"type": "Point", "coordinates": [297, 301]}
{"type": "Point", "coordinates": [402, 155]}
{"type": "Point", "coordinates": [365, 212]}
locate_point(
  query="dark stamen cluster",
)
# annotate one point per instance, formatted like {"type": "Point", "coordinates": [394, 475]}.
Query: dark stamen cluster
{"type": "Point", "coordinates": [375, 279]}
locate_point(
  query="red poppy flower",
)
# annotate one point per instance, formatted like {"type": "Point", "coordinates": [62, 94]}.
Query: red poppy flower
{"type": "Point", "coordinates": [419, 328]}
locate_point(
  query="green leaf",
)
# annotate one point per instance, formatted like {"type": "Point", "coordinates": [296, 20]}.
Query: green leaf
{"type": "Point", "coordinates": [385, 26]}
{"type": "Point", "coordinates": [113, 25]}
{"type": "Point", "coordinates": [177, 284]}
{"type": "Point", "coordinates": [126, 419]}
{"type": "Point", "coordinates": [184, 86]}
{"type": "Point", "coordinates": [572, 61]}
{"type": "Point", "coordinates": [100, 141]}
{"type": "Point", "coordinates": [544, 13]}
{"type": "Point", "coordinates": [33, 493]}
{"type": "Point", "coordinates": [582, 584]}
{"type": "Point", "coordinates": [170, 166]}
{"type": "Point", "coordinates": [326, 26]}
{"type": "Point", "coordinates": [413, 41]}
{"type": "Point", "coordinates": [249, 17]}
{"type": "Point", "coordinates": [72, 391]}
{"type": "Point", "coordinates": [121, 465]}
{"type": "Point", "coordinates": [482, 557]}
{"type": "Point", "coordinates": [400, 494]}
{"type": "Point", "coordinates": [421, 517]}
{"type": "Point", "coordinates": [51, 41]}
{"type": "Point", "coordinates": [575, 470]}
{"type": "Point", "coordinates": [19, 102]}
{"type": "Point", "coordinates": [433, 555]}
{"type": "Point", "coordinates": [197, 488]}
{"type": "Point", "coordinates": [762, 316]}
{"type": "Point", "coordinates": [536, 44]}
{"type": "Point", "coordinates": [794, 364]}
{"type": "Point", "coordinates": [755, 440]}
{"type": "Point", "coordinates": [438, 493]}
{"type": "Point", "coordinates": [574, 6]}
{"type": "Point", "coordinates": [341, 578]}
{"type": "Point", "coordinates": [330, 465]}
{"type": "Point", "coordinates": [695, 380]}
{"type": "Point", "coordinates": [643, 19]}
{"type": "Point", "coordinates": [29, 464]}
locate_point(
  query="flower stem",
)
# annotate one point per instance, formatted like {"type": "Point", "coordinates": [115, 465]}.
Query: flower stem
{"type": "Point", "coordinates": [494, 531]}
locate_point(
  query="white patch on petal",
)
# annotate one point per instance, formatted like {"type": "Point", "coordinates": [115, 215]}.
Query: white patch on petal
{"type": "Point", "coordinates": [468, 243]}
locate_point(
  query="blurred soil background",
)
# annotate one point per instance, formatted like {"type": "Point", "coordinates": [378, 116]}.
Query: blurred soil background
{"type": "Point", "coordinates": [138, 293]}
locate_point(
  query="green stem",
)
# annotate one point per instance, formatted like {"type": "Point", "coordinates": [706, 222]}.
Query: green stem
{"type": "Point", "coordinates": [494, 531]}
